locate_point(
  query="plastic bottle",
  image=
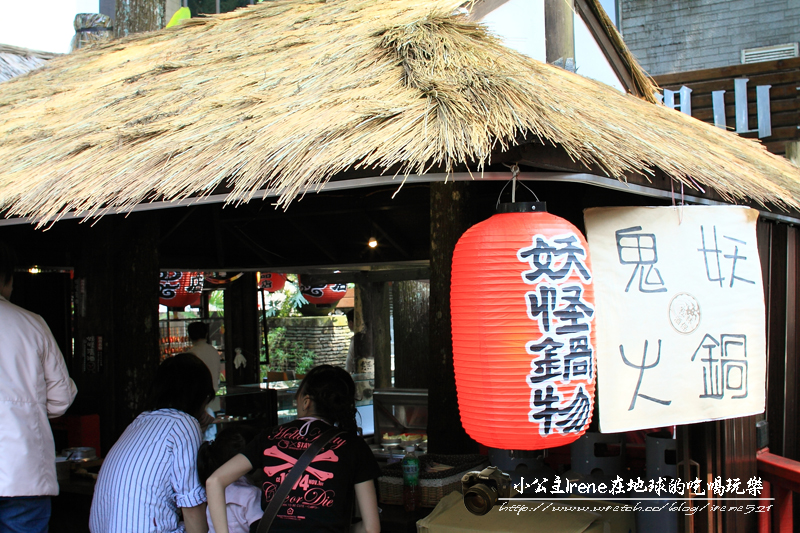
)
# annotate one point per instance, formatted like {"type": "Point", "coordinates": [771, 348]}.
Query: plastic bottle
{"type": "Point", "coordinates": [410, 464]}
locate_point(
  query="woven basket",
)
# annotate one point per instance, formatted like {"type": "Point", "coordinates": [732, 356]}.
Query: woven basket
{"type": "Point", "coordinates": [433, 486]}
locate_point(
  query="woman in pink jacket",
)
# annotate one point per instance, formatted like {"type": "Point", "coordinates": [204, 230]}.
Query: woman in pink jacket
{"type": "Point", "coordinates": [35, 386]}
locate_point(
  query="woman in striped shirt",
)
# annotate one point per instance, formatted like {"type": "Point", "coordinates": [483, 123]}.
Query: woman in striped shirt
{"type": "Point", "coordinates": [151, 471]}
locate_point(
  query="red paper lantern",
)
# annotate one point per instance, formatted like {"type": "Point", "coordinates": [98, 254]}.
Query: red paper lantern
{"type": "Point", "coordinates": [271, 281]}
{"type": "Point", "coordinates": [323, 294]}
{"type": "Point", "coordinates": [522, 305]}
{"type": "Point", "coordinates": [179, 289]}
{"type": "Point", "coordinates": [219, 280]}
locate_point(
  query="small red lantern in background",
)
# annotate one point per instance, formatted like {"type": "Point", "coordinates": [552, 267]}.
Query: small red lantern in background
{"type": "Point", "coordinates": [323, 294]}
{"type": "Point", "coordinates": [522, 305]}
{"type": "Point", "coordinates": [271, 281]}
{"type": "Point", "coordinates": [219, 280]}
{"type": "Point", "coordinates": [179, 289]}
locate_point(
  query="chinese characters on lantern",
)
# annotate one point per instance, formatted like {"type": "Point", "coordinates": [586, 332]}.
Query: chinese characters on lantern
{"type": "Point", "coordinates": [179, 289]}
{"type": "Point", "coordinates": [323, 294]}
{"type": "Point", "coordinates": [563, 352]}
{"type": "Point", "coordinates": [680, 315]}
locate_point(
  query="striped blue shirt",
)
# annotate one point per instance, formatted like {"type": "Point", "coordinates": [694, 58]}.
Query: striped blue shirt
{"type": "Point", "coordinates": [148, 474]}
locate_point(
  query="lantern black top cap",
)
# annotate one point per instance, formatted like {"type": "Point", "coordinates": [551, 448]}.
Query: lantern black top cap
{"type": "Point", "coordinates": [523, 207]}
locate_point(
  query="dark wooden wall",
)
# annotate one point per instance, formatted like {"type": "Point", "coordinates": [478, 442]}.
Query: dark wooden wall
{"type": "Point", "coordinates": [48, 294]}
{"type": "Point", "coordinates": [117, 274]}
{"type": "Point", "coordinates": [783, 76]}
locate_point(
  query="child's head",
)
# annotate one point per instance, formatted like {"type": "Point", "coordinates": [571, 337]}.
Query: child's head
{"type": "Point", "coordinates": [334, 395]}
{"type": "Point", "coordinates": [216, 453]}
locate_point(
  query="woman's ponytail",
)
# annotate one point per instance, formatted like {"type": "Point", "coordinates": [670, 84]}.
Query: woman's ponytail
{"type": "Point", "coordinates": [334, 395]}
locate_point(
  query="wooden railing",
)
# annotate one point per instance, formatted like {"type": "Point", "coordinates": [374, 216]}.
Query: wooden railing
{"type": "Point", "coordinates": [781, 478]}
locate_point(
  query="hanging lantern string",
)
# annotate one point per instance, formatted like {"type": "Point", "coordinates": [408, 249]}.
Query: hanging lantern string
{"type": "Point", "coordinates": [514, 173]}
{"type": "Point", "coordinates": [680, 209]}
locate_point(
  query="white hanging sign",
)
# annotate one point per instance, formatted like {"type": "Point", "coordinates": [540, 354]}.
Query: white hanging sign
{"type": "Point", "coordinates": [680, 315]}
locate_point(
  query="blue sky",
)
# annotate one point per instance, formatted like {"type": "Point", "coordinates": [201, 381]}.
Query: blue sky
{"type": "Point", "coordinates": [611, 9]}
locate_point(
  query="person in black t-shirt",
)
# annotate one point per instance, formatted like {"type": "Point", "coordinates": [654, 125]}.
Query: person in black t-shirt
{"type": "Point", "coordinates": [344, 468]}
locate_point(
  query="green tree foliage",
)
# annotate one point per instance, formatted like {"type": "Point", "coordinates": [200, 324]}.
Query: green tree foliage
{"type": "Point", "coordinates": [285, 354]}
{"type": "Point", "coordinates": [285, 302]}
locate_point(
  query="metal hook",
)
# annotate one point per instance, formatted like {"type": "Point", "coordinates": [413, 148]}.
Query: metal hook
{"type": "Point", "coordinates": [514, 174]}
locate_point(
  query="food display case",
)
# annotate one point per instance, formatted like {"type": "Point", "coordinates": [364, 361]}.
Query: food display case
{"type": "Point", "coordinates": [254, 404]}
{"type": "Point", "coordinates": [285, 392]}
{"type": "Point", "coordinates": [286, 403]}
{"type": "Point", "coordinates": [401, 418]}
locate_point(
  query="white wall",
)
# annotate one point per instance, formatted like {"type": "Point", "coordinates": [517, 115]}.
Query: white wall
{"type": "Point", "coordinates": [520, 24]}
{"type": "Point", "coordinates": [44, 25]}
{"type": "Point", "coordinates": [589, 58]}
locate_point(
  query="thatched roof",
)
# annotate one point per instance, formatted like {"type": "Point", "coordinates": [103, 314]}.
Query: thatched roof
{"type": "Point", "coordinates": [15, 61]}
{"type": "Point", "coordinates": [288, 93]}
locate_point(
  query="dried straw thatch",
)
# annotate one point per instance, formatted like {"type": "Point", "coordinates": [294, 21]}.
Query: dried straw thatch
{"type": "Point", "coordinates": [288, 93]}
{"type": "Point", "coordinates": [15, 61]}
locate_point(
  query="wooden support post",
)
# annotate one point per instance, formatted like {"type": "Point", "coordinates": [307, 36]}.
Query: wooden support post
{"type": "Point", "coordinates": [559, 33]}
{"type": "Point", "coordinates": [242, 330]}
{"type": "Point", "coordinates": [450, 218]}
{"type": "Point", "coordinates": [373, 341]}
{"type": "Point", "coordinates": [95, 324]}
{"type": "Point", "coordinates": [793, 152]}
{"type": "Point", "coordinates": [133, 16]}
{"type": "Point", "coordinates": [765, 518]}
{"type": "Point", "coordinates": [410, 302]}
{"type": "Point", "coordinates": [135, 310]}
{"type": "Point", "coordinates": [791, 363]}
{"type": "Point", "coordinates": [116, 320]}
{"type": "Point", "coordinates": [776, 331]}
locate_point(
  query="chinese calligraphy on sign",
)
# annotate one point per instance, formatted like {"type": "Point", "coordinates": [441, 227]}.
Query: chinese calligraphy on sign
{"type": "Point", "coordinates": [679, 315]}
{"type": "Point", "coordinates": [635, 248]}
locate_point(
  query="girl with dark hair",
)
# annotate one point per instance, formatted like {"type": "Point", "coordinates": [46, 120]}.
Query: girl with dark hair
{"type": "Point", "coordinates": [343, 470]}
{"type": "Point", "coordinates": [242, 496]}
{"type": "Point", "coordinates": [151, 471]}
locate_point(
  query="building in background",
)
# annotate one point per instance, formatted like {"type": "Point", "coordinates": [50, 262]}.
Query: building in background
{"type": "Point", "coordinates": [670, 37]}
{"type": "Point", "coordinates": [732, 63]}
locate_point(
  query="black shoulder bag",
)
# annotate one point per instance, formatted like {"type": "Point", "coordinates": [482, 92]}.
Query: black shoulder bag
{"type": "Point", "coordinates": [293, 476]}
